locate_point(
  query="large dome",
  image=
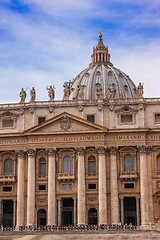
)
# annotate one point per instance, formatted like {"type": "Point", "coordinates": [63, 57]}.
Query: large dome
{"type": "Point", "coordinates": [101, 79]}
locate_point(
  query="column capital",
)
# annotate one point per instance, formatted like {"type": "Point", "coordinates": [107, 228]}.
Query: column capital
{"type": "Point", "coordinates": [101, 150]}
{"type": "Point", "coordinates": [113, 150]}
{"type": "Point", "coordinates": [142, 149]}
{"type": "Point", "coordinates": [80, 150]}
{"type": "Point", "coordinates": [121, 197]}
{"type": "Point", "coordinates": [59, 198]}
{"type": "Point", "coordinates": [51, 151]}
{"type": "Point", "coordinates": [149, 149]}
{"type": "Point", "coordinates": [74, 198]}
{"type": "Point", "coordinates": [137, 197]}
{"type": "Point", "coordinates": [31, 152]}
{"type": "Point", "coordinates": [20, 153]}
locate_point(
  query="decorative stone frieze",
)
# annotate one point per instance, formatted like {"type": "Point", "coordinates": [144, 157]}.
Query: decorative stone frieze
{"type": "Point", "coordinates": [51, 109]}
{"type": "Point", "coordinates": [111, 108]}
{"type": "Point", "coordinates": [80, 108]}
{"type": "Point", "coordinates": [100, 108]}
{"type": "Point", "coordinates": [32, 110]}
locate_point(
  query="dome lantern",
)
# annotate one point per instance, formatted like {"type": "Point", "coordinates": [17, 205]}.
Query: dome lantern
{"type": "Point", "coordinates": [100, 52]}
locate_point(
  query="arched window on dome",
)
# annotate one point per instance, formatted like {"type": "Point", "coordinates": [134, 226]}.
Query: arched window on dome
{"type": "Point", "coordinates": [91, 164]}
{"type": "Point", "coordinates": [67, 164]}
{"type": "Point", "coordinates": [158, 163]}
{"type": "Point", "coordinates": [8, 167]}
{"type": "Point", "coordinates": [128, 163]}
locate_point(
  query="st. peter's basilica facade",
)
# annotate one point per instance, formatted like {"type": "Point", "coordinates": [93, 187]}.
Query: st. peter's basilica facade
{"type": "Point", "coordinates": [91, 158]}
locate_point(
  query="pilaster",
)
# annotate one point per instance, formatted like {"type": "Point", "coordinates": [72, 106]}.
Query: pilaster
{"type": "Point", "coordinates": [144, 186]}
{"type": "Point", "coordinates": [114, 186]}
{"type": "Point", "coordinates": [20, 189]}
{"type": "Point", "coordinates": [81, 204]}
{"type": "Point", "coordinates": [31, 188]}
{"type": "Point", "coordinates": [52, 212]}
{"type": "Point", "coordinates": [102, 194]}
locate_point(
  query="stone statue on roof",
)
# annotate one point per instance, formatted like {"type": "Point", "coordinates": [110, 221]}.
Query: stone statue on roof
{"type": "Point", "coordinates": [33, 94]}
{"type": "Point", "coordinates": [22, 95]}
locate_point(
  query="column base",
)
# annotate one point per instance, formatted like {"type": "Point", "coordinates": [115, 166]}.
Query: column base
{"type": "Point", "coordinates": [147, 227]}
{"type": "Point", "coordinates": [18, 227]}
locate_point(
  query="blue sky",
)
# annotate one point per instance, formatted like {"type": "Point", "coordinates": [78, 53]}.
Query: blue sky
{"type": "Point", "coordinates": [45, 42]}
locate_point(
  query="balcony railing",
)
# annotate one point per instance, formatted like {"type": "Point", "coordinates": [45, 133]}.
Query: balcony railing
{"type": "Point", "coordinates": [42, 176]}
{"type": "Point", "coordinates": [4, 178]}
{"type": "Point", "coordinates": [90, 175]}
{"type": "Point", "coordinates": [128, 175]}
{"type": "Point", "coordinates": [65, 176]}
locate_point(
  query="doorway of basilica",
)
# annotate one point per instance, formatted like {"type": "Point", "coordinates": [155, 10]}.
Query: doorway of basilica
{"type": "Point", "coordinates": [130, 211]}
{"type": "Point", "coordinates": [92, 216]}
{"type": "Point", "coordinates": [67, 212]}
{"type": "Point", "coordinates": [41, 218]}
{"type": "Point", "coordinates": [7, 213]}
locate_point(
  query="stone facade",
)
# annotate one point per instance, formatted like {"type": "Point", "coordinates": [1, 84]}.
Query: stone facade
{"type": "Point", "coordinates": [80, 161]}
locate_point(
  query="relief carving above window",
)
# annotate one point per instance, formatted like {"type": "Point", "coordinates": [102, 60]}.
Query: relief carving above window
{"type": "Point", "coordinates": [126, 114]}
{"type": "Point", "coordinates": [8, 119]}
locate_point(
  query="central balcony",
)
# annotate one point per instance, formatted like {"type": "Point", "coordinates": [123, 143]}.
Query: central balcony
{"type": "Point", "coordinates": [128, 175]}
{"type": "Point", "coordinates": [66, 177]}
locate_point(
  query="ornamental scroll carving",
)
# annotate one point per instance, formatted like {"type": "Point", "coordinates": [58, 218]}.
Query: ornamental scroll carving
{"type": "Point", "coordinates": [66, 187]}
{"type": "Point", "coordinates": [65, 123]}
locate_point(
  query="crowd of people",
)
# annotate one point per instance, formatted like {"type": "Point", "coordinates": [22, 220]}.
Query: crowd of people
{"type": "Point", "coordinates": [73, 228]}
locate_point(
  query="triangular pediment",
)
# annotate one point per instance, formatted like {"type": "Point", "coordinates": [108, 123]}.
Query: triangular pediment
{"type": "Point", "coordinates": [65, 123]}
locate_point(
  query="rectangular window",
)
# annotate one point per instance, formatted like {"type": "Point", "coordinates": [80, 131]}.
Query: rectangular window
{"type": "Point", "coordinates": [91, 118]}
{"type": "Point", "coordinates": [42, 187]}
{"type": "Point", "coordinates": [92, 186]}
{"type": "Point", "coordinates": [42, 168]}
{"type": "Point", "coordinates": [126, 118]}
{"type": "Point", "coordinates": [129, 185]}
{"type": "Point", "coordinates": [7, 123]}
{"type": "Point", "coordinates": [7, 189]}
{"type": "Point", "coordinates": [157, 117]}
{"type": "Point", "coordinates": [41, 120]}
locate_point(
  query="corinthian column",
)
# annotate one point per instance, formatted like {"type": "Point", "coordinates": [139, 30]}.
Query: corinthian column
{"type": "Point", "coordinates": [81, 187]}
{"type": "Point", "coordinates": [20, 190]}
{"type": "Point", "coordinates": [31, 188]}
{"type": "Point", "coordinates": [102, 194]}
{"type": "Point", "coordinates": [144, 187]}
{"type": "Point", "coordinates": [51, 187]}
{"type": "Point", "coordinates": [114, 187]}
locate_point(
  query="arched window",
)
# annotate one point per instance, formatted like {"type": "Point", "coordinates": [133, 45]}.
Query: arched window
{"type": "Point", "coordinates": [67, 164]}
{"type": "Point", "coordinates": [8, 167]}
{"type": "Point", "coordinates": [42, 166]}
{"type": "Point", "coordinates": [128, 163]}
{"type": "Point", "coordinates": [158, 162]}
{"type": "Point", "coordinates": [91, 164]}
